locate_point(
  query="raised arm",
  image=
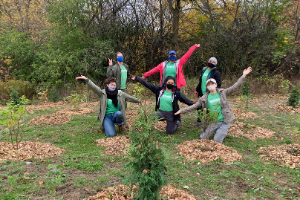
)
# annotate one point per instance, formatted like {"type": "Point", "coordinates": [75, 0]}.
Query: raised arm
{"type": "Point", "coordinates": [184, 99]}
{"type": "Point", "coordinates": [150, 86]}
{"type": "Point", "coordinates": [110, 72]}
{"type": "Point", "coordinates": [190, 108]}
{"type": "Point", "coordinates": [239, 82]}
{"type": "Point", "coordinates": [155, 70]}
{"type": "Point", "coordinates": [90, 83]}
{"type": "Point", "coordinates": [188, 54]}
{"type": "Point", "coordinates": [131, 98]}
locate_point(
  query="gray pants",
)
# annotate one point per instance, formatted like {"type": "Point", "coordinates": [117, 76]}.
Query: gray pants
{"type": "Point", "coordinates": [172, 124]}
{"type": "Point", "coordinates": [221, 131]}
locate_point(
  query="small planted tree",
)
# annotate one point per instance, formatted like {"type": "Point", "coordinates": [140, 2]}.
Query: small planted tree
{"type": "Point", "coordinates": [14, 97]}
{"type": "Point", "coordinates": [53, 95]}
{"type": "Point", "coordinates": [147, 162]}
{"type": "Point", "coordinates": [246, 94]}
{"type": "Point", "coordinates": [207, 118]}
{"type": "Point", "coordinates": [294, 97]}
{"type": "Point", "coordinates": [76, 99]}
{"type": "Point", "coordinates": [11, 117]}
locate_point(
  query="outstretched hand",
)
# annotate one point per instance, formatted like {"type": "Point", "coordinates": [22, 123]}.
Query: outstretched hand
{"type": "Point", "coordinates": [247, 71]}
{"type": "Point", "coordinates": [177, 113]}
{"type": "Point", "coordinates": [198, 45]}
{"type": "Point", "coordinates": [110, 62]}
{"type": "Point", "coordinates": [81, 77]}
{"type": "Point", "coordinates": [133, 78]}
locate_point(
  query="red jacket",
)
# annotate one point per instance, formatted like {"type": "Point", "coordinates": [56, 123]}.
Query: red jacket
{"type": "Point", "coordinates": [180, 77]}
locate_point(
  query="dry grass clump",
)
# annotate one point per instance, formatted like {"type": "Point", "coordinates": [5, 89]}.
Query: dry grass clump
{"type": "Point", "coordinates": [207, 151]}
{"type": "Point", "coordinates": [115, 145]}
{"type": "Point", "coordinates": [121, 192]}
{"type": "Point", "coordinates": [239, 129]}
{"type": "Point", "coordinates": [286, 154]}
{"type": "Point", "coordinates": [28, 150]}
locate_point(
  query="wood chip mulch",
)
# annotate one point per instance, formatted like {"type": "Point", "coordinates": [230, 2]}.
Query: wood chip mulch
{"type": "Point", "coordinates": [207, 151]}
{"type": "Point", "coordinates": [239, 129]}
{"type": "Point", "coordinates": [53, 119]}
{"type": "Point", "coordinates": [121, 192]}
{"type": "Point", "coordinates": [254, 100]}
{"type": "Point", "coordinates": [60, 117]}
{"type": "Point", "coordinates": [242, 114]}
{"type": "Point", "coordinates": [160, 125]}
{"type": "Point", "coordinates": [286, 154]}
{"type": "Point", "coordinates": [45, 106]}
{"type": "Point", "coordinates": [28, 150]}
{"type": "Point", "coordinates": [284, 108]}
{"type": "Point", "coordinates": [115, 145]}
{"type": "Point", "coordinates": [80, 111]}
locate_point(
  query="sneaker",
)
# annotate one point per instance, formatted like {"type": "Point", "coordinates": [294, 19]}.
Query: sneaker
{"type": "Point", "coordinates": [198, 124]}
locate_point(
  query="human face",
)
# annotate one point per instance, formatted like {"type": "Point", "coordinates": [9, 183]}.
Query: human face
{"type": "Point", "coordinates": [212, 62]}
{"type": "Point", "coordinates": [111, 84]}
{"type": "Point", "coordinates": [119, 55]}
{"type": "Point", "coordinates": [170, 81]}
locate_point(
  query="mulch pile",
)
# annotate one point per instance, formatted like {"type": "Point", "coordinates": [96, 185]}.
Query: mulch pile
{"type": "Point", "coordinates": [45, 106]}
{"type": "Point", "coordinates": [286, 154]}
{"type": "Point", "coordinates": [28, 150]}
{"type": "Point", "coordinates": [284, 108]}
{"type": "Point", "coordinates": [253, 100]}
{"type": "Point", "coordinates": [239, 129]}
{"type": "Point", "coordinates": [242, 114]}
{"type": "Point", "coordinates": [207, 151]}
{"type": "Point", "coordinates": [115, 145]}
{"type": "Point", "coordinates": [121, 192]}
{"type": "Point", "coordinates": [60, 117]}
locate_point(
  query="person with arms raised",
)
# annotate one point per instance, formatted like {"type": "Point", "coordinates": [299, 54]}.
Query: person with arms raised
{"type": "Point", "coordinates": [216, 101]}
{"type": "Point", "coordinates": [112, 105]}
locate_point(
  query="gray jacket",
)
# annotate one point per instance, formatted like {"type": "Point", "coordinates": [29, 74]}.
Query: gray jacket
{"type": "Point", "coordinates": [115, 71]}
{"type": "Point", "coordinates": [226, 111]}
{"type": "Point", "coordinates": [122, 98]}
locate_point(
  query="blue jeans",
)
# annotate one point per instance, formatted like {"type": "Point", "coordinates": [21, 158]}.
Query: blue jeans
{"type": "Point", "coordinates": [109, 121]}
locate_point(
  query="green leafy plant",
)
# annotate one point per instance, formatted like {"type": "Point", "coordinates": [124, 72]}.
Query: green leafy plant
{"type": "Point", "coordinates": [43, 95]}
{"type": "Point", "coordinates": [246, 94]}
{"type": "Point", "coordinates": [294, 97]}
{"type": "Point", "coordinates": [11, 117]}
{"type": "Point", "coordinates": [14, 97]}
{"type": "Point", "coordinates": [138, 90]}
{"type": "Point", "coordinates": [53, 95]}
{"type": "Point", "coordinates": [207, 117]}
{"type": "Point", "coordinates": [147, 162]}
{"type": "Point", "coordinates": [76, 99]}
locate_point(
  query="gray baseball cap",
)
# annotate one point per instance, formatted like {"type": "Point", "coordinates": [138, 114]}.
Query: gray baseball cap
{"type": "Point", "coordinates": [211, 80]}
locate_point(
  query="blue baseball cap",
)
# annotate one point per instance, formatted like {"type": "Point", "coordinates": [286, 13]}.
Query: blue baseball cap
{"type": "Point", "coordinates": [172, 51]}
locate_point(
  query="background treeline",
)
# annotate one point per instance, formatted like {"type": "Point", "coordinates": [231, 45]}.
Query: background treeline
{"type": "Point", "coordinates": [49, 42]}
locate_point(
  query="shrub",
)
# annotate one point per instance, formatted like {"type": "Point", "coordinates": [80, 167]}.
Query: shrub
{"type": "Point", "coordinates": [53, 95]}
{"type": "Point", "coordinates": [207, 118]}
{"type": "Point", "coordinates": [11, 117]}
{"type": "Point", "coordinates": [294, 97]}
{"type": "Point", "coordinates": [14, 97]}
{"type": "Point", "coordinates": [22, 87]}
{"type": "Point", "coordinates": [147, 162]}
{"type": "Point", "coordinates": [76, 99]}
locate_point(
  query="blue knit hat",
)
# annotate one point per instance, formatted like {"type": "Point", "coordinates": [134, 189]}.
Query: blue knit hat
{"type": "Point", "coordinates": [214, 59]}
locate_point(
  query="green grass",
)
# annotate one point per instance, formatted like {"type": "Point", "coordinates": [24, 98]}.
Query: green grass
{"type": "Point", "coordinates": [86, 168]}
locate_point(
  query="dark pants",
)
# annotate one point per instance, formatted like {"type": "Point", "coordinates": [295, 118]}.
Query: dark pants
{"type": "Point", "coordinates": [172, 124]}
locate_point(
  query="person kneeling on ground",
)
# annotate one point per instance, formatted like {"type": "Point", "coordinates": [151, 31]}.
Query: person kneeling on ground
{"type": "Point", "coordinates": [215, 100]}
{"type": "Point", "coordinates": [112, 105]}
{"type": "Point", "coordinates": [166, 101]}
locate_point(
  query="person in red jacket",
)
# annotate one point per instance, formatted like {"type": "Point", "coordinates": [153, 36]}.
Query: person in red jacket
{"type": "Point", "coordinates": [172, 67]}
